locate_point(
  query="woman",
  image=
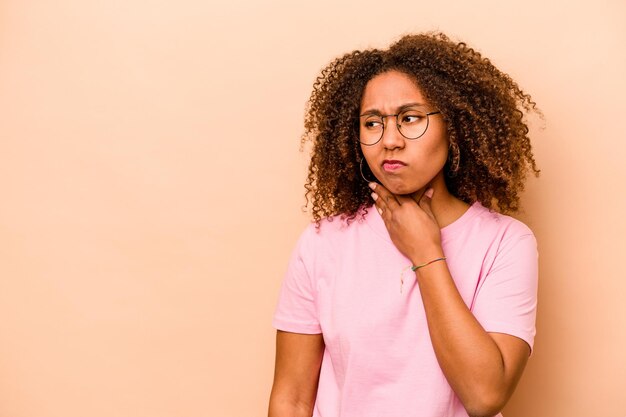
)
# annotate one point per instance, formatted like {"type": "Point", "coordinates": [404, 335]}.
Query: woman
{"type": "Point", "coordinates": [413, 293]}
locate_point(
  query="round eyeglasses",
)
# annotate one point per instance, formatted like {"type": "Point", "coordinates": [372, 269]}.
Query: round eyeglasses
{"type": "Point", "coordinates": [411, 124]}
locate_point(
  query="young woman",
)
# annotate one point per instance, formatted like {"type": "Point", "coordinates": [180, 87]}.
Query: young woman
{"type": "Point", "coordinates": [412, 293]}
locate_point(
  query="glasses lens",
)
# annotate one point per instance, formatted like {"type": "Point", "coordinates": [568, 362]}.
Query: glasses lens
{"type": "Point", "coordinates": [370, 129]}
{"type": "Point", "coordinates": [413, 123]}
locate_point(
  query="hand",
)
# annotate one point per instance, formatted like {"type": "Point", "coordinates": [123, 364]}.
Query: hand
{"type": "Point", "coordinates": [410, 222]}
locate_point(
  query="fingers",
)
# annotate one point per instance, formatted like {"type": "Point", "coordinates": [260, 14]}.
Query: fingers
{"type": "Point", "coordinates": [423, 198]}
{"type": "Point", "coordinates": [383, 199]}
{"type": "Point", "coordinates": [417, 196]}
{"type": "Point", "coordinates": [386, 201]}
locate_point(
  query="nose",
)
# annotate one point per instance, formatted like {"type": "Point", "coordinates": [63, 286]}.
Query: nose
{"type": "Point", "coordinates": [392, 138]}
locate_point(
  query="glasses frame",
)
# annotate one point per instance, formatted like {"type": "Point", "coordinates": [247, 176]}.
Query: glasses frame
{"type": "Point", "coordinates": [398, 125]}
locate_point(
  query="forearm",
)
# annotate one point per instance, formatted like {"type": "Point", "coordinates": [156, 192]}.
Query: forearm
{"type": "Point", "coordinates": [468, 356]}
{"type": "Point", "coordinates": [296, 375]}
{"type": "Point", "coordinates": [278, 408]}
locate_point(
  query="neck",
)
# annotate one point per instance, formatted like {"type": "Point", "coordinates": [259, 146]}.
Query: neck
{"type": "Point", "coordinates": [445, 207]}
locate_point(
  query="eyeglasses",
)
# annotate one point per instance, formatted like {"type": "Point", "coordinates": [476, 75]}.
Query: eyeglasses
{"type": "Point", "coordinates": [411, 124]}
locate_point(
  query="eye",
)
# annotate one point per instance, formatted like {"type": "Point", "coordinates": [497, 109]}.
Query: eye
{"type": "Point", "coordinates": [412, 117]}
{"type": "Point", "coordinates": [372, 123]}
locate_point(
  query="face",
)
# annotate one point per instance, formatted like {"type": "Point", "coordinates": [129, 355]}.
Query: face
{"type": "Point", "coordinates": [403, 165]}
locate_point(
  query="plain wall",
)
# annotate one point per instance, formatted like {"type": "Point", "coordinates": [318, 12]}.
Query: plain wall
{"type": "Point", "coordinates": [151, 190]}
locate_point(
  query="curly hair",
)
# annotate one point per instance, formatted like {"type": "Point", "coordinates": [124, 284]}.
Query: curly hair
{"type": "Point", "coordinates": [490, 151]}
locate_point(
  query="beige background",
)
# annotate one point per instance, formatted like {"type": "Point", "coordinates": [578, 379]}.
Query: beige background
{"type": "Point", "coordinates": [151, 191]}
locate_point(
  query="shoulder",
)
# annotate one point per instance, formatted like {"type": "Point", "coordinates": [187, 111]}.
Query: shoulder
{"type": "Point", "coordinates": [332, 235]}
{"type": "Point", "coordinates": [337, 226]}
{"type": "Point", "coordinates": [484, 229]}
{"type": "Point", "coordinates": [503, 225]}
{"type": "Point", "coordinates": [496, 234]}
{"type": "Point", "coordinates": [511, 241]}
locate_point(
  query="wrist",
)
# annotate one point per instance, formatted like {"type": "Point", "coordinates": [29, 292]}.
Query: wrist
{"type": "Point", "coordinates": [434, 271]}
{"type": "Point", "coordinates": [427, 256]}
{"type": "Point", "coordinates": [425, 264]}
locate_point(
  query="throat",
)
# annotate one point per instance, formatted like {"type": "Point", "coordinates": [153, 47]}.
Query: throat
{"type": "Point", "coordinates": [447, 214]}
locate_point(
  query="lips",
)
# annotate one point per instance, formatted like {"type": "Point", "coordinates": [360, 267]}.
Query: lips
{"type": "Point", "coordinates": [390, 165]}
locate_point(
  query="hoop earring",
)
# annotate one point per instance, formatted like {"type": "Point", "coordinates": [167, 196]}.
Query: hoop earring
{"type": "Point", "coordinates": [455, 160]}
{"type": "Point", "coordinates": [361, 170]}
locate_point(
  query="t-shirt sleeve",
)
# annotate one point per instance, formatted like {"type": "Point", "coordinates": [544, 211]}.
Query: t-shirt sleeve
{"type": "Point", "coordinates": [506, 300]}
{"type": "Point", "coordinates": [296, 308]}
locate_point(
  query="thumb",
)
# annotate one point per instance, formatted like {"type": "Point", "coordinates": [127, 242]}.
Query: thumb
{"type": "Point", "coordinates": [425, 201]}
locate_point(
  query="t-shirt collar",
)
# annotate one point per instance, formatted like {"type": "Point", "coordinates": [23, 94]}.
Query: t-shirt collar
{"type": "Point", "coordinates": [375, 221]}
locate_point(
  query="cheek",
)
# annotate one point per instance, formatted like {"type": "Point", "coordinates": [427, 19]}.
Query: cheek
{"type": "Point", "coordinates": [435, 151]}
{"type": "Point", "coordinates": [370, 158]}
{"type": "Point", "coordinates": [440, 151]}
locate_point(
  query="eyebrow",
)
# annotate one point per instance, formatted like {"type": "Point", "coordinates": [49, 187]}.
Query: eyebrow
{"type": "Point", "coordinates": [398, 109]}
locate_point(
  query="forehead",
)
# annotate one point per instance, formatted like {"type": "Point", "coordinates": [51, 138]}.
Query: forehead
{"type": "Point", "coordinates": [390, 90]}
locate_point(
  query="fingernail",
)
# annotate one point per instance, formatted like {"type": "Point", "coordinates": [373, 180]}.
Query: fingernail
{"type": "Point", "coordinates": [372, 185]}
{"type": "Point", "coordinates": [429, 193]}
{"type": "Point", "coordinates": [375, 196]}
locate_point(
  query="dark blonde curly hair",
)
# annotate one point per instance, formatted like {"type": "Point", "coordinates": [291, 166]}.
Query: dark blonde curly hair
{"type": "Point", "coordinates": [483, 108]}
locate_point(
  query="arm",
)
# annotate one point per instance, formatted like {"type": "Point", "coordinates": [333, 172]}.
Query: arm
{"type": "Point", "coordinates": [296, 374]}
{"type": "Point", "coordinates": [482, 368]}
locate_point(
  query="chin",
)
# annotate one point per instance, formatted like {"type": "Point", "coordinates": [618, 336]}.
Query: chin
{"type": "Point", "coordinates": [400, 188]}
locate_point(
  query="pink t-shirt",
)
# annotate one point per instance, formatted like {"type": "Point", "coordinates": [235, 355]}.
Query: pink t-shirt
{"type": "Point", "coordinates": [344, 282]}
